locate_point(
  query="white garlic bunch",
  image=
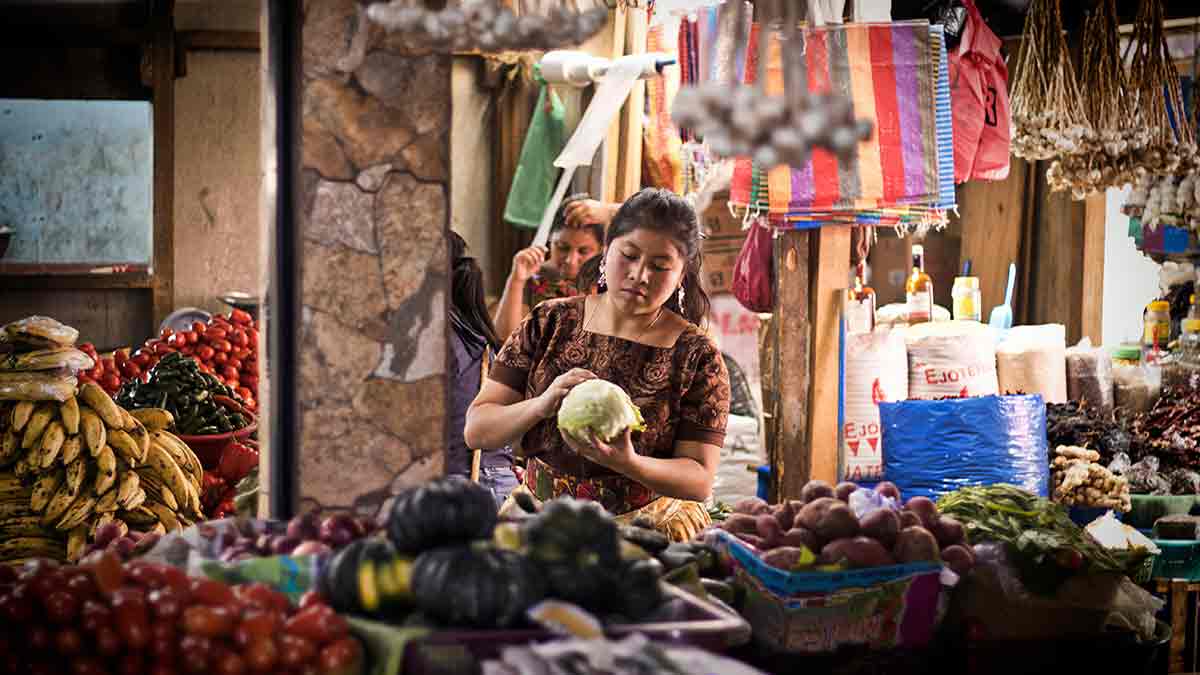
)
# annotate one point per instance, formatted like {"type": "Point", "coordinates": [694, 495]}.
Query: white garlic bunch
{"type": "Point", "coordinates": [486, 26]}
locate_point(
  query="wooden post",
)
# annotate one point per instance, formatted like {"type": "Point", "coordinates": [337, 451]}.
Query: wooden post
{"type": "Point", "coordinates": [612, 145]}
{"type": "Point", "coordinates": [830, 260]}
{"type": "Point", "coordinates": [162, 64]}
{"type": "Point", "coordinates": [789, 409]}
{"type": "Point", "coordinates": [1091, 299]}
{"type": "Point", "coordinates": [629, 175]}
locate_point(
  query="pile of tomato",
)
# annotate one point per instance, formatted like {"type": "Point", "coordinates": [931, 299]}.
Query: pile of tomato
{"type": "Point", "coordinates": [105, 616]}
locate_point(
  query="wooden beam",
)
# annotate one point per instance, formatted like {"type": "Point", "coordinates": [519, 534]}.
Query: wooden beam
{"type": "Point", "coordinates": [991, 215]}
{"type": "Point", "coordinates": [35, 282]}
{"type": "Point", "coordinates": [84, 73]}
{"type": "Point", "coordinates": [1091, 299]}
{"type": "Point", "coordinates": [612, 144]}
{"type": "Point", "coordinates": [789, 409]}
{"type": "Point", "coordinates": [830, 268]}
{"type": "Point", "coordinates": [57, 35]}
{"type": "Point", "coordinates": [219, 40]}
{"type": "Point", "coordinates": [629, 174]}
{"type": "Point", "coordinates": [162, 64]}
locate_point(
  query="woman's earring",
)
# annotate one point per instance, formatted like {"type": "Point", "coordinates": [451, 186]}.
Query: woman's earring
{"type": "Point", "coordinates": [681, 296]}
{"type": "Point", "coordinates": [602, 283]}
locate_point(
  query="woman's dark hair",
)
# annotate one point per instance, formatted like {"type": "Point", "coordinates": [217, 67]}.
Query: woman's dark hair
{"type": "Point", "coordinates": [667, 213]}
{"type": "Point", "coordinates": [589, 274]}
{"type": "Point", "coordinates": [468, 306]}
{"type": "Point", "coordinates": [560, 218]}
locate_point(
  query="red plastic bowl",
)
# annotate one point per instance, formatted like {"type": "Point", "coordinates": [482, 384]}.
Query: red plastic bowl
{"type": "Point", "coordinates": [209, 448]}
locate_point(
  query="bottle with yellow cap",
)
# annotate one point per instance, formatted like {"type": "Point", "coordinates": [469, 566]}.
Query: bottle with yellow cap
{"type": "Point", "coordinates": [1156, 331]}
{"type": "Point", "coordinates": [1193, 310]}
{"type": "Point", "coordinates": [968, 300]}
{"type": "Point", "coordinates": [1184, 373]}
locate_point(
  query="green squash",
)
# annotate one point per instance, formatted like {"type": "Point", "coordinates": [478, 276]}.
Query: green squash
{"type": "Point", "coordinates": [639, 591]}
{"type": "Point", "coordinates": [442, 512]}
{"type": "Point", "coordinates": [384, 580]}
{"type": "Point", "coordinates": [476, 586]}
{"type": "Point", "coordinates": [338, 581]}
{"type": "Point", "coordinates": [576, 544]}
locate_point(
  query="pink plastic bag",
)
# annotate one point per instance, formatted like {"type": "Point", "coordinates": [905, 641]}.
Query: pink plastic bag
{"type": "Point", "coordinates": [753, 284]}
{"type": "Point", "coordinates": [979, 81]}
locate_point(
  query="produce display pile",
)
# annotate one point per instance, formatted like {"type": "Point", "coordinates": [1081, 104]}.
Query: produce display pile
{"type": "Point", "coordinates": [1042, 541]}
{"type": "Point", "coordinates": [106, 616]}
{"type": "Point", "coordinates": [1079, 481]}
{"type": "Point", "coordinates": [75, 466]}
{"type": "Point", "coordinates": [219, 489]}
{"type": "Point", "coordinates": [445, 559]}
{"type": "Point", "coordinates": [832, 528]}
{"type": "Point", "coordinates": [226, 347]}
{"type": "Point", "coordinates": [310, 533]}
{"type": "Point", "coordinates": [38, 360]}
{"type": "Point", "coordinates": [199, 404]}
{"type": "Point", "coordinates": [1156, 450]}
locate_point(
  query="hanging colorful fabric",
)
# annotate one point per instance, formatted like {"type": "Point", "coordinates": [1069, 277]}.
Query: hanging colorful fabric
{"type": "Point", "coordinates": [753, 273]}
{"type": "Point", "coordinates": [981, 109]}
{"type": "Point", "coordinates": [661, 139]}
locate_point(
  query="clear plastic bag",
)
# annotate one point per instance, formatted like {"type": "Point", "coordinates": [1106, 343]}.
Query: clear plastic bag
{"type": "Point", "coordinates": [40, 332]}
{"type": "Point", "coordinates": [67, 358]}
{"type": "Point", "coordinates": [1184, 482]}
{"type": "Point", "coordinates": [41, 386]}
{"type": "Point", "coordinates": [1090, 376]}
{"type": "Point", "coordinates": [1144, 478]}
{"type": "Point", "coordinates": [1137, 387]}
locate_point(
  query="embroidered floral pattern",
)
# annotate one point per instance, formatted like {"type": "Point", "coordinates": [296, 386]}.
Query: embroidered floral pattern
{"type": "Point", "coordinates": [682, 391]}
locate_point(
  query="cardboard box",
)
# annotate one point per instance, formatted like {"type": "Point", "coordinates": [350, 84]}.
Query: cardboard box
{"type": "Point", "coordinates": [723, 239]}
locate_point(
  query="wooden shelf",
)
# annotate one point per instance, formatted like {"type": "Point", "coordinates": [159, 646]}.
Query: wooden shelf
{"type": "Point", "coordinates": [36, 276]}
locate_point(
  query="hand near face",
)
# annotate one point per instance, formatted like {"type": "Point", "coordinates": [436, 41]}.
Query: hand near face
{"type": "Point", "coordinates": [617, 455]}
{"type": "Point", "coordinates": [527, 262]}
{"type": "Point", "coordinates": [588, 211]}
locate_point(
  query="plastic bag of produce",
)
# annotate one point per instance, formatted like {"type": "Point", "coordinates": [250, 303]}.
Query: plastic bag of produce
{"type": "Point", "coordinates": [1032, 360]}
{"type": "Point", "coordinates": [1090, 376]}
{"type": "Point", "coordinates": [62, 358]}
{"type": "Point", "coordinates": [1184, 482]}
{"type": "Point", "coordinates": [39, 332]}
{"type": "Point", "coordinates": [935, 447]}
{"type": "Point", "coordinates": [1144, 478]}
{"type": "Point", "coordinates": [876, 370]}
{"type": "Point", "coordinates": [40, 386]}
{"type": "Point", "coordinates": [951, 359]}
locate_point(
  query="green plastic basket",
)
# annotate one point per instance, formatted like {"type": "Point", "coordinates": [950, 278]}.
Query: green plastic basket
{"type": "Point", "coordinates": [1177, 560]}
{"type": "Point", "coordinates": [1145, 509]}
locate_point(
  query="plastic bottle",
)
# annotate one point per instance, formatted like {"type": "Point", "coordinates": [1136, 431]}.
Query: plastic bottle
{"type": "Point", "coordinates": [919, 289]}
{"type": "Point", "coordinates": [968, 299]}
{"type": "Point", "coordinates": [1156, 331]}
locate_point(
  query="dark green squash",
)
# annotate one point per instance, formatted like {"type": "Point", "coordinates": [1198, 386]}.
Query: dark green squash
{"type": "Point", "coordinates": [442, 512]}
{"type": "Point", "coordinates": [576, 544]}
{"type": "Point", "coordinates": [638, 592]}
{"type": "Point", "coordinates": [338, 581]}
{"type": "Point", "coordinates": [384, 580]}
{"type": "Point", "coordinates": [477, 586]}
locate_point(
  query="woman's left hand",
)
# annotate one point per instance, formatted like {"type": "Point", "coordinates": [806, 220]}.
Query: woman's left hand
{"type": "Point", "coordinates": [617, 455]}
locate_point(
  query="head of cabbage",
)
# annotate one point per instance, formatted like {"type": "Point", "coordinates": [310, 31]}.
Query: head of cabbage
{"type": "Point", "coordinates": [600, 407]}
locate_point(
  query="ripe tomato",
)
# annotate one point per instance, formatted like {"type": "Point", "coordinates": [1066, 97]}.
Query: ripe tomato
{"type": "Point", "coordinates": [249, 378]}
{"type": "Point", "coordinates": [256, 624]}
{"type": "Point", "coordinates": [131, 369]}
{"type": "Point", "coordinates": [295, 651]}
{"type": "Point", "coordinates": [162, 349]}
{"type": "Point", "coordinates": [210, 592]}
{"type": "Point", "coordinates": [213, 334]}
{"type": "Point", "coordinates": [69, 641]}
{"type": "Point", "coordinates": [220, 358]}
{"type": "Point", "coordinates": [244, 393]}
{"type": "Point", "coordinates": [240, 353]}
{"type": "Point", "coordinates": [62, 607]}
{"type": "Point", "coordinates": [142, 359]}
{"type": "Point", "coordinates": [262, 596]}
{"type": "Point", "coordinates": [187, 349]}
{"type": "Point", "coordinates": [199, 326]}
{"type": "Point", "coordinates": [110, 364]}
{"type": "Point", "coordinates": [110, 381]}
{"type": "Point", "coordinates": [318, 623]}
{"type": "Point", "coordinates": [222, 346]}
{"type": "Point", "coordinates": [233, 362]}
{"type": "Point", "coordinates": [166, 333]}
{"type": "Point", "coordinates": [96, 372]}
{"type": "Point", "coordinates": [205, 352]}
{"type": "Point", "coordinates": [238, 337]}
{"type": "Point", "coordinates": [262, 655]}
{"type": "Point", "coordinates": [230, 373]}
{"type": "Point", "coordinates": [120, 357]}
{"type": "Point", "coordinates": [213, 622]}
{"type": "Point", "coordinates": [242, 317]}
{"type": "Point", "coordinates": [343, 656]}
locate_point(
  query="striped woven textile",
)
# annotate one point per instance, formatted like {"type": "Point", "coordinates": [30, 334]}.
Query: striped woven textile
{"type": "Point", "coordinates": [897, 76]}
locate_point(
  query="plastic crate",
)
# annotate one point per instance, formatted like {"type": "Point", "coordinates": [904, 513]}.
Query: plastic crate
{"type": "Point", "coordinates": [1177, 560]}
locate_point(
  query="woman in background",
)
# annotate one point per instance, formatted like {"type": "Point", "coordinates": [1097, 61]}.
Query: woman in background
{"type": "Point", "coordinates": [534, 278]}
{"type": "Point", "coordinates": [472, 337]}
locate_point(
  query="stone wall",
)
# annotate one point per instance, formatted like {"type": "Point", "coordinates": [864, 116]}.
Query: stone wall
{"type": "Point", "coordinates": [374, 198]}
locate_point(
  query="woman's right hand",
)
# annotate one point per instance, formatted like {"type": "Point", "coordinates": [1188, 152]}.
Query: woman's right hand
{"type": "Point", "coordinates": [551, 399]}
{"type": "Point", "coordinates": [526, 263]}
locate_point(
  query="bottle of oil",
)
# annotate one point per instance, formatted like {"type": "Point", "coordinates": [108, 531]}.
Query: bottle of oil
{"type": "Point", "coordinates": [860, 304]}
{"type": "Point", "coordinates": [919, 289]}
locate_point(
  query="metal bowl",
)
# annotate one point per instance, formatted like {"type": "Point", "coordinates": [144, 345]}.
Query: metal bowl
{"type": "Point", "coordinates": [183, 318]}
{"type": "Point", "coordinates": [241, 300]}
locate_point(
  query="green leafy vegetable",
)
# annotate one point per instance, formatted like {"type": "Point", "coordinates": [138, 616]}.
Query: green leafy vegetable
{"type": "Point", "coordinates": [600, 407]}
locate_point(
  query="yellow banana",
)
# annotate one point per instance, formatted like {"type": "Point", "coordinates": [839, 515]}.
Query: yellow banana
{"type": "Point", "coordinates": [154, 419]}
{"type": "Point", "coordinates": [77, 540]}
{"type": "Point", "coordinates": [60, 503]}
{"type": "Point", "coordinates": [157, 492]}
{"type": "Point", "coordinates": [45, 489]}
{"type": "Point", "coordinates": [141, 516]}
{"type": "Point", "coordinates": [125, 447]}
{"type": "Point", "coordinates": [24, 469]}
{"type": "Point", "coordinates": [127, 420]}
{"type": "Point", "coordinates": [68, 411]}
{"type": "Point", "coordinates": [37, 424]}
{"type": "Point", "coordinates": [71, 449]}
{"type": "Point", "coordinates": [126, 486]}
{"type": "Point", "coordinates": [93, 430]}
{"type": "Point", "coordinates": [21, 526]}
{"type": "Point", "coordinates": [52, 442]}
{"type": "Point", "coordinates": [77, 512]}
{"type": "Point", "coordinates": [137, 499]}
{"type": "Point", "coordinates": [75, 473]}
{"type": "Point", "coordinates": [107, 503]}
{"type": "Point", "coordinates": [164, 466]}
{"type": "Point", "coordinates": [183, 456]}
{"type": "Point", "coordinates": [142, 437]}
{"type": "Point", "coordinates": [10, 447]}
{"type": "Point", "coordinates": [106, 470]}
{"type": "Point", "coordinates": [158, 529]}
{"type": "Point", "coordinates": [165, 515]}
{"type": "Point", "coordinates": [21, 413]}
{"type": "Point", "coordinates": [99, 400]}
{"type": "Point", "coordinates": [25, 548]}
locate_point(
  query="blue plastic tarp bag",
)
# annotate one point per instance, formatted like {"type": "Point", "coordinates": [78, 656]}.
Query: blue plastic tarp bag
{"type": "Point", "coordinates": [934, 447]}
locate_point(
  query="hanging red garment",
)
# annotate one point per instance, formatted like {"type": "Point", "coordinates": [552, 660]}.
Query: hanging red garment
{"type": "Point", "coordinates": [753, 282]}
{"type": "Point", "coordinates": [979, 81]}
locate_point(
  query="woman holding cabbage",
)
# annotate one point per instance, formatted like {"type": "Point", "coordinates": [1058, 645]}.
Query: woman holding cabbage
{"type": "Point", "coordinates": [642, 333]}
